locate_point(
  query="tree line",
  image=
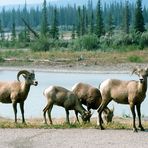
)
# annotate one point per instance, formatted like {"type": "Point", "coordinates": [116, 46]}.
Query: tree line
{"type": "Point", "coordinates": [100, 24]}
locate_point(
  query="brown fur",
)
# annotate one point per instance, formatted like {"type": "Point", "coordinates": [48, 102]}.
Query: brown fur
{"type": "Point", "coordinates": [91, 97]}
{"type": "Point", "coordinates": [60, 96]}
{"type": "Point", "coordinates": [125, 92]}
{"type": "Point", "coordinates": [16, 92]}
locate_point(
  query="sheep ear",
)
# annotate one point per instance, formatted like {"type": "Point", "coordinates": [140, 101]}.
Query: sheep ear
{"type": "Point", "coordinates": [146, 69]}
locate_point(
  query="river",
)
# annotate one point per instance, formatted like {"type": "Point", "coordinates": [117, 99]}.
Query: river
{"type": "Point", "coordinates": [36, 101]}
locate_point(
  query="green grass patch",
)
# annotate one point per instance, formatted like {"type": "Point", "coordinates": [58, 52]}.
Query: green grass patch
{"type": "Point", "coordinates": [135, 59]}
{"type": "Point", "coordinates": [118, 123]}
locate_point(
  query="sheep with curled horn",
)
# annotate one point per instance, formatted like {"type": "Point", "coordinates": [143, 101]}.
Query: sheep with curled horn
{"type": "Point", "coordinates": [16, 91]}
{"type": "Point", "coordinates": [125, 92]}
{"type": "Point", "coordinates": [91, 97]}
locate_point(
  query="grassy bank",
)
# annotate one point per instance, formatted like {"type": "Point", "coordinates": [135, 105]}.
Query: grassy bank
{"type": "Point", "coordinates": [118, 123]}
{"type": "Point", "coordinates": [27, 57]}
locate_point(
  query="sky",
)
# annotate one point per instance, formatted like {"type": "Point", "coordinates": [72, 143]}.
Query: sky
{"type": "Point", "coordinates": [13, 2]}
{"type": "Point", "coordinates": [18, 2]}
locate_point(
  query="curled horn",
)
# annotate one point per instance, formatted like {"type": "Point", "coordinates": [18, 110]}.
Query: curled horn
{"type": "Point", "coordinates": [134, 71]}
{"type": "Point", "coordinates": [22, 72]}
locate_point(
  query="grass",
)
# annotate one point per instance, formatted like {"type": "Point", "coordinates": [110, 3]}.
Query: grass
{"type": "Point", "coordinates": [135, 59]}
{"type": "Point", "coordinates": [118, 123]}
{"type": "Point", "coordinates": [27, 57]}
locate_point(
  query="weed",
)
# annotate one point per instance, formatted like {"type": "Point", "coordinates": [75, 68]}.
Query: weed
{"type": "Point", "coordinates": [135, 59]}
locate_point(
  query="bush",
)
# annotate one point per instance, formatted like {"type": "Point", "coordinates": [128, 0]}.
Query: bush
{"type": "Point", "coordinates": [45, 44]}
{"type": "Point", "coordinates": [122, 39]}
{"type": "Point", "coordinates": [135, 59]}
{"type": "Point", "coordinates": [41, 44]}
{"type": "Point", "coordinates": [88, 42]}
{"type": "Point", "coordinates": [1, 59]}
{"type": "Point", "coordinates": [143, 40]}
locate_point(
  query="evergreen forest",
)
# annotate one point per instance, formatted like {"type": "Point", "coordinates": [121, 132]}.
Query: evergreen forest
{"type": "Point", "coordinates": [113, 26]}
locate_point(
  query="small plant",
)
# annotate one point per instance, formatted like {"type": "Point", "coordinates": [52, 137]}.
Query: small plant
{"type": "Point", "coordinates": [86, 42]}
{"type": "Point", "coordinates": [135, 59]}
{"type": "Point", "coordinates": [1, 59]}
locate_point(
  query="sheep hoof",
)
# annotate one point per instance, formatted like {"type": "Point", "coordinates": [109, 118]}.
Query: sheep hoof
{"type": "Point", "coordinates": [142, 129]}
{"type": "Point", "coordinates": [102, 128]}
{"type": "Point", "coordinates": [135, 130]}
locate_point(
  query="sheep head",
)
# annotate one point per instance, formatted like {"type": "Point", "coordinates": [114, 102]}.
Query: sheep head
{"type": "Point", "coordinates": [86, 116]}
{"type": "Point", "coordinates": [108, 114]}
{"type": "Point", "coordinates": [28, 76]}
{"type": "Point", "coordinates": [142, 73]}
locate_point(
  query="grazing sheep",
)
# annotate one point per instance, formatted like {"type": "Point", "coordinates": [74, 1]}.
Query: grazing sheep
{"type": "Point", "coordinates": [60, 96]}
{"type": "Point", "coordinates": [91, 97]}
{"type": "Point", "coordinates": [125, 92]}
{"type": "Point", "coordinates": [16, 92]}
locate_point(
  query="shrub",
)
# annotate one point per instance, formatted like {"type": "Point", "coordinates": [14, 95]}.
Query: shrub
{"type": "Point", "coordinates": [143, 40]}
{"type": "Point", "coordinates": [1, 59]}
{"type": "Point", "coordinates": [45, 44]}
{"type": "Point", "coordinates": [41, 44]}
{"type": "Point", "coordinates": [88, 42]}
{"type": "Point", "coordinates": [135, 59]}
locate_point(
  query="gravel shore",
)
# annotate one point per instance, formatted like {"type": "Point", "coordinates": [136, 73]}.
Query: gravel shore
{"type": "Point", "coordinates": [72, 138]}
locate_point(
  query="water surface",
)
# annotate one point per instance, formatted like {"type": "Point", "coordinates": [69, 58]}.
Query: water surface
{"type": "Point", "coordinates": [36, 101]}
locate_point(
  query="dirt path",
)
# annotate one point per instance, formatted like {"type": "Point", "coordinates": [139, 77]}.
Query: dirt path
{"type": "Point", "coordinates": [72, 138]}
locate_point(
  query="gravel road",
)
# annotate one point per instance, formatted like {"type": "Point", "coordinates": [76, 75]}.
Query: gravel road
{"type": "Point", "coordinates": [72, 138]}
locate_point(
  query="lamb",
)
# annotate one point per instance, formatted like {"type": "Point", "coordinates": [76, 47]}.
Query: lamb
{"type": "Point", "coordinates": [60, 96]}
{"type": "Point", "coordinates": [91, 97]}
{"type": "Point", "coordinates": [16, 91]}
{"type": "Point", "coordinates": [125, 92]}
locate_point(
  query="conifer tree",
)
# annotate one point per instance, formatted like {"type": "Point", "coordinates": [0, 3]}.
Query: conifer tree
{"type": "Point", "coordinates": [54, 28]}
{"type": "Point", "coordinates": [139, 19]}
{"type": "Point", "coordinates": [126, 18]}
{"type": "Point", "coordinates": [110, 24]}
{"type": "Point", "coordinates": [99, 20]}
{"type": "Point", "coordinates": [13, 25]}
{"type": "Point", "coordinates": [1, 32]}
{"type": "Point", "coordinates": [83, 29]}
{"type": "Point", "coordinates": [79, 21]}
{"type": "Point", "coordinates": [44, 23]}
{"type": "Point", "coordinates": [73, 32]}
{"type": "Point", "coordinates": [92, 23]}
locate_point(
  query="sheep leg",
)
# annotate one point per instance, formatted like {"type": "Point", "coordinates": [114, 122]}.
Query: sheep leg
{"type": "Point", "coordinates": [132, 107]}
{"type": "Point", "coordinates": [47, 108]}
{"type": "Point", "coordinates": [100, 110]}
{"type": "Point", "coordinates": [88, 108]}
{"type": "Point", "coordinates": [22, 111]}
{"type": "Point", "coordinates": [49, 113]}
{"type": "Point", "coordinates": [67, 116]}
{"type": "Point", "coordinates": [139, 116]}
{"type": "Point", "coordinates": [14, 104]}
{"type": "Point", "coordinates": [100, 117]}
{"type": "Point", "coordinates": [76, 113]}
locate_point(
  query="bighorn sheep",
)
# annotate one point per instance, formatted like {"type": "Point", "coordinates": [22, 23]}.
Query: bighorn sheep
{"type": "Point", "coordinates": [91, 97]}
{"type": "Point", "coordinates": [62, 97]}
{"type": "Point", "coordinates": [16, 91]}
{"type": "Point", "coordinates": [125, 92]}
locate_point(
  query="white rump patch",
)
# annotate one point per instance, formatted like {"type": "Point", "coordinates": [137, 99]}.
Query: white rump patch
{"type": "Point", "coordinates": [104, 84]}
{"type": "Point", "coordinates": [74, 86]}
{"type": "Point", "coordinates": [48, 90]}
